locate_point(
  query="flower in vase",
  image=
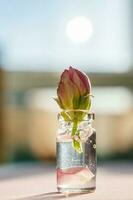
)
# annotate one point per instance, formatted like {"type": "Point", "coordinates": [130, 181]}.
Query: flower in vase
{"type": "Point", "coordinates": [73, 96]}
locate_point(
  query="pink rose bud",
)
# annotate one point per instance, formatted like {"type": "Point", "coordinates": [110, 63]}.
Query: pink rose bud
{"type": "Point", "coordinates": [74, 90]}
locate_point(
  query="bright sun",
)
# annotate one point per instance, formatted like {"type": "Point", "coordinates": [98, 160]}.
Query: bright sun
{"type": "Point", "coordinates": [79, 29]}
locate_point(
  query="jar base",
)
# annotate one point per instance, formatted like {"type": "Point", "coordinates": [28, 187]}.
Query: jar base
{"type": "Point", "coordinates": [76, 190]}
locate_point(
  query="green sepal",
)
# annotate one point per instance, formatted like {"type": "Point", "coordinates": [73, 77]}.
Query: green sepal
{"type": "Point", "coordinates": [59, 103]}
{"type": "Point", "coordinates": [66, 116]}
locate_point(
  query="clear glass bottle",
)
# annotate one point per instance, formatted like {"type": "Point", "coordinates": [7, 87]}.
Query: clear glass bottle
{"type": "Point", "coordinates": [76, 172]}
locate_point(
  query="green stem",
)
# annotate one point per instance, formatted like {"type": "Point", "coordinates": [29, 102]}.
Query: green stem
{"type": "Point", "coordinates": [76, 144]}
{"type": "Point", "coordinates": [75, 126]}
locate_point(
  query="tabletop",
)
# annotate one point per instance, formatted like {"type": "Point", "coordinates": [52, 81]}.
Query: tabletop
{"type": "Point", "coordinates": [34, 181]}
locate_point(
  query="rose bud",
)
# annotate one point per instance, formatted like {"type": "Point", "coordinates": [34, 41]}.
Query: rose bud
{"type": "Point", "coordinates": [73, 90]}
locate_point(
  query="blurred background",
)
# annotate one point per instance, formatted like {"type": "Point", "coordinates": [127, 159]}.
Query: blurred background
{"type": "Point", "coordinates": [38, 40]}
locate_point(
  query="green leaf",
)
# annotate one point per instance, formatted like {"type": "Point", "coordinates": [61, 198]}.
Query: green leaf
{"type": "Point", "coordinates": [77, 146]}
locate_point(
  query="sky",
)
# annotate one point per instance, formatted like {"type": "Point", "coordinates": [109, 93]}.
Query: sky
{"type": "Point", "coordinates": [33, 35]}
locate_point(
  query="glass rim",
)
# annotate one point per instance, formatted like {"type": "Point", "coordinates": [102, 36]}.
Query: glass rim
{"type": "Point", "coordinates": [91, 115]}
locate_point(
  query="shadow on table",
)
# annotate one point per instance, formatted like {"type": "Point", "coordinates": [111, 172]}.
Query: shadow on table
{"type": "Point", "coordinates": [50, 196]}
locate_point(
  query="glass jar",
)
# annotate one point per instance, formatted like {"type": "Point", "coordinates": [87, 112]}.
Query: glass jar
{"type": "Point", "coordinates": [76, 172]}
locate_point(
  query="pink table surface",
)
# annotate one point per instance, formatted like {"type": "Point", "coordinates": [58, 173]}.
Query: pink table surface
{"type": "Point", "coordinates": [38, 181]}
